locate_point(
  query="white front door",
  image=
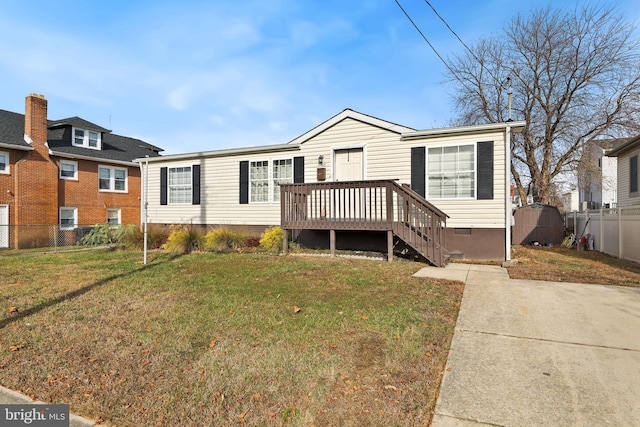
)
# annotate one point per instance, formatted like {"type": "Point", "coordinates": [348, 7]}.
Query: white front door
{"type": "Point", "coordinates": [4, 226]}
{"type": "Point", "coordinates": [349, 165]}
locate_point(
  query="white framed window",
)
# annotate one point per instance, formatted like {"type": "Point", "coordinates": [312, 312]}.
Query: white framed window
{"type": "Point", "coordinates": [68, 170]}
{"type": "Point", "coordinates": [265, 178]}
{"type": "Point", "coordinates": [179, 185]}
{"type": "Point", "coordinates": [451, 172]}
{"type": "Point", "coordinates": [113, 216]}
{"type": "Point", "coordinates": [68, 218]}
{"type": "Point", "coordinates": [87, 138]}
{"type": "Point", "coordinates": [259, 181]}
{"type": "Point", "coordinates": [282, 173]}
{"type": "Point", "coordinates": [4, 162]}
{"type": "Point", "coordinates": [112, 179]}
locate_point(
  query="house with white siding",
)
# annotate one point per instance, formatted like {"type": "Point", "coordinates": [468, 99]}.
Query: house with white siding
{"type": "Point", "coordinates": [628, 179]}
{"type": "Point", "coordinates": [463, 172]}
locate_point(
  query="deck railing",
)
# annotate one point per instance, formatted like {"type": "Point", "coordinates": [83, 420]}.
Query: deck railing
{"type": "Point", "coordinates": [375, 205]}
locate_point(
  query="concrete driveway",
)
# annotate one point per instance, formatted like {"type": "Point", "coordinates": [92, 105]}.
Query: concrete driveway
{"type": "Point", "coordinates": [532, 353]}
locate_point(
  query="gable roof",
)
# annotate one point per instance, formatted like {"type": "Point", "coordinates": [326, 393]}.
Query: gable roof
{"type": "Point", "coordinates": [631, 144]}
{"type": "Point", "coordinates": [348, 113]}
{"type": "Point", "coordinates": [115, 148]}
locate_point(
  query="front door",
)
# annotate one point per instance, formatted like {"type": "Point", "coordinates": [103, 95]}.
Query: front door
{"type": "Point", "coordinates": [4, 226]}
{"type": "Point", "coordinates": [349, 165]}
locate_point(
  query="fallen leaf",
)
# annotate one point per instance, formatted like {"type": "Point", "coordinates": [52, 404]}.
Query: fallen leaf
{"type": "Point", "coordinates": [390, 387]}
{"type": "Point", "coordinates": [66, 350]}
{"type": "Point", "coordinates": [334, 345]}
{"type": "Point", "coordinates": [364, 317]}
{"type": "Point", "coordinates": [213, 343]}
{"type": "Point", "coordinates": [88, 393]}
{"type": "Point", "coordinates": [296, 309]}
{"type": "Point", "coordinates": [16, 347]}
{"type": "Point", "coordinates": [427, 354]}
{"type": "Point", "coordinates": [12, 309]}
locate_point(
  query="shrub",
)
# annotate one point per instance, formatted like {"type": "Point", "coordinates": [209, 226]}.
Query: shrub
{"type": "Point", "coordinates": [271, 239]}
{"type": "Point", "coordinates": [107, 234]}
{"type": "Point", "coordinates": [224, 239]}
{"type": "Point", "coordinates": [253, 242]}
{"type": "Point", "coordinates": [156, 237]}
{"type": "Point", "coordinates": [185, 239]}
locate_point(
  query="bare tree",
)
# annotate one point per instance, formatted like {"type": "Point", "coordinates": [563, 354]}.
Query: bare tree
{"type": "Point", "coordinates": [576, 78]}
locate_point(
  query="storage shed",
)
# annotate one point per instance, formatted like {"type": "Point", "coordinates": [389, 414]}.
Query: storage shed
{"type": "Point", "coordinates": [537, 223]}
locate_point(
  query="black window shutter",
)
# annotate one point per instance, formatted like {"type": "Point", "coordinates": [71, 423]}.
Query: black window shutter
{"type": "Point", "coordinates": [485, 170]}
{"type": "Point", "coordinates": [195, 188]}
{"type": "Point", "coordinates": [163, 186]}
{"type": "Point", "coordinates": [244, 182]}
{"type": "Point", "coordinates": [633, 174]}
{"type": "Point", "coordinates": [298, 170]}
{"type": "Point", "coordinates": [418, 170]}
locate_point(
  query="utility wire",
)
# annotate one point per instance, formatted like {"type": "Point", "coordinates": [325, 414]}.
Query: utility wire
{"type": "Point", "coordinates": [428, 42]}
{"type": "Point", "coordinates": [454, 33]}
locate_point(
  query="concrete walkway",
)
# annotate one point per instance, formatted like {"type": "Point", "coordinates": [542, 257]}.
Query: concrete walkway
{"type": "Point", "coordinates": [532, 353]}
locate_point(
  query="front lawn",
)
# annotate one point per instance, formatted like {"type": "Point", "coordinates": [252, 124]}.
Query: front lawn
{"type": "Point", "coordinates": [237, 339]}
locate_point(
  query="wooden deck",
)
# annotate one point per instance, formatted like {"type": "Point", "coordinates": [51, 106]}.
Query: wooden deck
{"type": "Point", "coordinates": [380, 205]}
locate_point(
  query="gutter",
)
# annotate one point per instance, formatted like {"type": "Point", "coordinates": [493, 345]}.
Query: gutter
{"type": "Point", "coordinates": [93, 159]}
{"type": "Point", "coordinates": [463, 130]}
{"type": "Point", "coordinates": [16, 147]}
{"type": "Point", "coordinates": [223, 153]}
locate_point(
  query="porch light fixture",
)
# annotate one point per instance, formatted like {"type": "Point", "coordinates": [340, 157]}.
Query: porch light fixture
{"type": "Point", "coordinates": [320, 160]}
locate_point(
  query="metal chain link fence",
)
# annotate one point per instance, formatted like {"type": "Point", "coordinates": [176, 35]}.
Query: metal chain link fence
{"type": "Point", "coordinates": [41, 236]}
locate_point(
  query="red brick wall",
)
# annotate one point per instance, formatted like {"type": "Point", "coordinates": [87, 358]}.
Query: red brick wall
{"type": "Point", "coordinates": [7, 182]}
{"type": "Point", "coordinates": [91, 203]}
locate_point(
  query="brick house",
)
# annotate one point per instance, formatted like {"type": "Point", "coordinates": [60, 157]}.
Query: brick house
{"type": "Point", "coordinates": [66, 172]}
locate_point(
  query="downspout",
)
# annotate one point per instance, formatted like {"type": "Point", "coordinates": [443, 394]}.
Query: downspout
{"type": "Point", "coordinates": [507, 191]}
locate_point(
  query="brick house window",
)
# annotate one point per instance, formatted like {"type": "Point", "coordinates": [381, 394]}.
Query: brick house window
{"type": "Point", "coordinates": [87, 138]}
{"type": "Point", "coordinates": [113, 216]}
{"type": "Point", "coordinates": [4, 162]}
{"type": "Point", "coordinates": [68, 170]}
{"type": "Point", "coordinates": [112, 179]}
{"type": "Point", "coordinates": [68, 218]}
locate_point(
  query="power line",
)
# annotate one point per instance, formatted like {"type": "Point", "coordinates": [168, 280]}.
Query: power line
{"type": "Point", "coordinates": [427, 40]}
{"type": "Point", "coordinates": [454, 33]}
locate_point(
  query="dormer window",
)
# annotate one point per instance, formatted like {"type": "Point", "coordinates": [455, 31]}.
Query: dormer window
{"type": "Point", "coordinates": [86, 138]}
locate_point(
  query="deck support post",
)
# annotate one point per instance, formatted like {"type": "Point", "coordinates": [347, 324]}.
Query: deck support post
{"type": "Point", "coordinates": [389, 246]}
{"type": "Point", "coordinates": [285, 242]}
{"type": "Point", "coordinates": [332, 242]}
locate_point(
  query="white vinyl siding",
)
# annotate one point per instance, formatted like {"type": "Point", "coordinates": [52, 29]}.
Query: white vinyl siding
{"type": "Point", "coordinates": [112, 179]}
{"type": "Point", "coordinates": [68, 170]}
{"type": "Point", "coordinates": [179, 187]}
{"type": "Point", "coordinates": [385, 157]}
{"type": "Point", "coordinates": [4, 162]}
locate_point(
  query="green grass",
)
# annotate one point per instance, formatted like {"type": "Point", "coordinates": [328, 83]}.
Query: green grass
{"type": "Point", "coordinates": [226, 339]}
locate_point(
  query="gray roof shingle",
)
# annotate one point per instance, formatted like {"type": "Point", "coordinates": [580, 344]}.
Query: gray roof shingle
{"type": "Point", "coordinates": [114, 147]}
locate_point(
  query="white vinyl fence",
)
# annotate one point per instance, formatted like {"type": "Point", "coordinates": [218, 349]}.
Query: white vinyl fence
{"type": "Point", "coordinates": [615, 232]}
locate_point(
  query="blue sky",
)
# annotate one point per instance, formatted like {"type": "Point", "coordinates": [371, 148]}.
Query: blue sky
{"type": "Point", "coordinates": [204, 75]}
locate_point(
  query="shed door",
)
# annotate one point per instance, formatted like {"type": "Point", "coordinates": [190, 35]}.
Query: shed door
{"type": "Point", "coordinates": [4, 226]}
{"type": "Point", "coordinates": [349, 165]}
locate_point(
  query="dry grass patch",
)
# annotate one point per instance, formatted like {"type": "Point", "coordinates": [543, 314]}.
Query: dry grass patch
{"type": "Point", "coordinates": [568, 265]}
{"type": "Point", "coordinates": [231, 339]}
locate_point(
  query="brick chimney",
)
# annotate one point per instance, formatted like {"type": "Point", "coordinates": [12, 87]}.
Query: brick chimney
{"type": "Point", "coordinates": [36, 179]}
{"type": "Point", "coordinates": [35, 122]}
